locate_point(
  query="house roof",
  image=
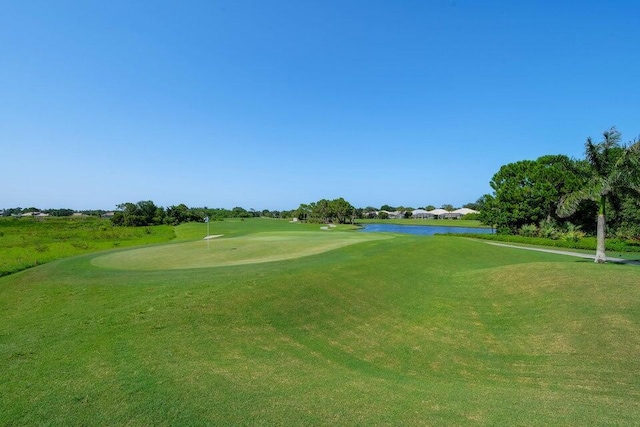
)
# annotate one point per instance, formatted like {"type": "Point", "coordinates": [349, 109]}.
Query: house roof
{"type": "Point", "coordinates": [438, 212]}
{"type": "Point", "coordinates": [464, 211]}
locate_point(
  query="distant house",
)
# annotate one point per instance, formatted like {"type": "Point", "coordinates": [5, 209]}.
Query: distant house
{"type": "Point", "coordinates": [109, 214]}
{"type": "Point", "coordinates": [421, 214]}
{"type": "Point", "coordinates": [393, 215]}
{"type": "Point", "coordinates": [459, 213]}
{"type": "Point", "coordinates": [443, 213]}
{"type": "Point", "coordinates": [439, 213]}
{"type": "Point", "coordinates": [38, 215]}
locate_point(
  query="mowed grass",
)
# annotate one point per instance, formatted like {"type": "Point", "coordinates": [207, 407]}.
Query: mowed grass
{"type": "Point", "coordinates": [247, 249]}
{"type": "Point", "coordinates": [402, 331]}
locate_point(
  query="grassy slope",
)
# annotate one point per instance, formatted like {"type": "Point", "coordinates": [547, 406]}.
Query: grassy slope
{"type": "Point", "coordinates": [410, 330]}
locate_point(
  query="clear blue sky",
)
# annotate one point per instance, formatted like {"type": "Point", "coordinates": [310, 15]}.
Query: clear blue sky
{"type": "Point", "coordinates": [269, 104]}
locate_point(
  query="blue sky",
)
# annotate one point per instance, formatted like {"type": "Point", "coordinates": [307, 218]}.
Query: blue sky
{"type": "Point", "coordinates": [269, 104]}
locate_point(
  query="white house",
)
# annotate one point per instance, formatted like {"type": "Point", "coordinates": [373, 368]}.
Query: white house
{"type": "Point", "coordinates": [421, 214]}
{"type": "Point", "coordinates": [439, 213]}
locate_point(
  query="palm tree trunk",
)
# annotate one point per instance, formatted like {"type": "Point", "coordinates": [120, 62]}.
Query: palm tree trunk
{"type": "Point", "coordinates": [600, 246]}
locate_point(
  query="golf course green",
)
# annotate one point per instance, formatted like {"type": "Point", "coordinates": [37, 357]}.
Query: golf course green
{"type": "Point", "coordinates": [248, 249]}
{"type": "Point", "coordinates": [285, 324]}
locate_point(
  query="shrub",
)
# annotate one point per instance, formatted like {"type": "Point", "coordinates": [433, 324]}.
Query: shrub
{"type": "Point", "coordinates": [628, 232]}
{"type": "Point", "coordinates": [548, 229]}
{"type": "Point", "coordinates": [572, 233]}
{"type": "Point", "coordinates": [529, 230]}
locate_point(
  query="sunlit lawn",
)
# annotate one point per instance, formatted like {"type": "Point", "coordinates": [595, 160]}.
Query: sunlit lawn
{"type": "Point", "coordinates": [402, 331]}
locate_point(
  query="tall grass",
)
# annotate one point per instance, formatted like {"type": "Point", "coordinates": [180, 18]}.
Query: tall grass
{"type": "Point", "coordinates": [28, 242]}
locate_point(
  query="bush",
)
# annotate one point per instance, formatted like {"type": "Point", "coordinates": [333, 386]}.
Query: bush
{"type": "Point", "coordinates": [548, 229]}
{"type": "Point", "coordinates": [572, 233]}
{"type": "Point", "coordinates": [529, 230]}
{"type": "Point", "coordinates": [628, 232]}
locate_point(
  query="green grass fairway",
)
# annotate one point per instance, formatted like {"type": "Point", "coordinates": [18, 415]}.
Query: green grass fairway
{"type": "Point", "coordinates": [247, 249]}
{"type": "Point", "coordinates": [405, 331]}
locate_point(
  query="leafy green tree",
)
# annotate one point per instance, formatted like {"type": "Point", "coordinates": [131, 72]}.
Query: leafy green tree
{"type": "Point", "coordinates": [303, 213]}
{"type": "Point", "coordinates": [324, 211]}
{"type": "Point", "coordinates": [177, 214]}
{"type": "Point", "coordinates": [321, 210]}
{"type": "Point", "coordinates": [139, 214]}
{"type": "Point", "coordinates": [528, 191]}
{"type": "Point", "coordinates": [341, 211]}
{"type": "Point", "coordinates": [429, 208]}
{"type": "Point", "coordinates": [629, 218]}
{"type": "Point", "coordinates": [239, 212]}
{"type": "Point", "coordinates": [150, 213]}
{"type": "Point", "coordinates": [490, 212]}
{"type": "Point", "coordinates": [614, 169]}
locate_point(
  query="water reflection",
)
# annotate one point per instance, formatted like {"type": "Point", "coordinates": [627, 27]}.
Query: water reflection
{"type": "Point", "coordinates": [423, 230]}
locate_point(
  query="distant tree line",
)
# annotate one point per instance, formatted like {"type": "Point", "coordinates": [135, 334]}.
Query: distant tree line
{"type": "Point", "coordinates": [145, 213]}
{"type": "Point", "coordinates": [555, 192]}
{"type": "Point", "coordinates": [61, 212]}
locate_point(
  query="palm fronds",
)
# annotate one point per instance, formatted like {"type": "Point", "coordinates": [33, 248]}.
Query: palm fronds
{"type": "Point", "coordinates": [569, 204]}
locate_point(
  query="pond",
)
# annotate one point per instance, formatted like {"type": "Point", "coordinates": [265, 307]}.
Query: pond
{"type": "Point", "coordinates": [424, 230]}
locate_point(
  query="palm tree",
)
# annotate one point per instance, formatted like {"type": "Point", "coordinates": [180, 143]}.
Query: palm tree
{"type": "Point", "coordinates": [613, 168]}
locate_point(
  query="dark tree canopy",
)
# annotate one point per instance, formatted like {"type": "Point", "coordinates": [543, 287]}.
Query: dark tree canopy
{"type": "Point", "coordinates": [528, 191]}
{"type": "Point", "coordinates": [326, 211]}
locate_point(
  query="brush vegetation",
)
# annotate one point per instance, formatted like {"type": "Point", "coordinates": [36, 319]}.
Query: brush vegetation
{"type": "Point", "coordinates": [405, 330]}
{"type": "Point", "coordinates": [27, 242]}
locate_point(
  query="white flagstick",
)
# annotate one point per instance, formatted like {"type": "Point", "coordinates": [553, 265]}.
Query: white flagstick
{"type": "Point", "coordinates": [206, 219]}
